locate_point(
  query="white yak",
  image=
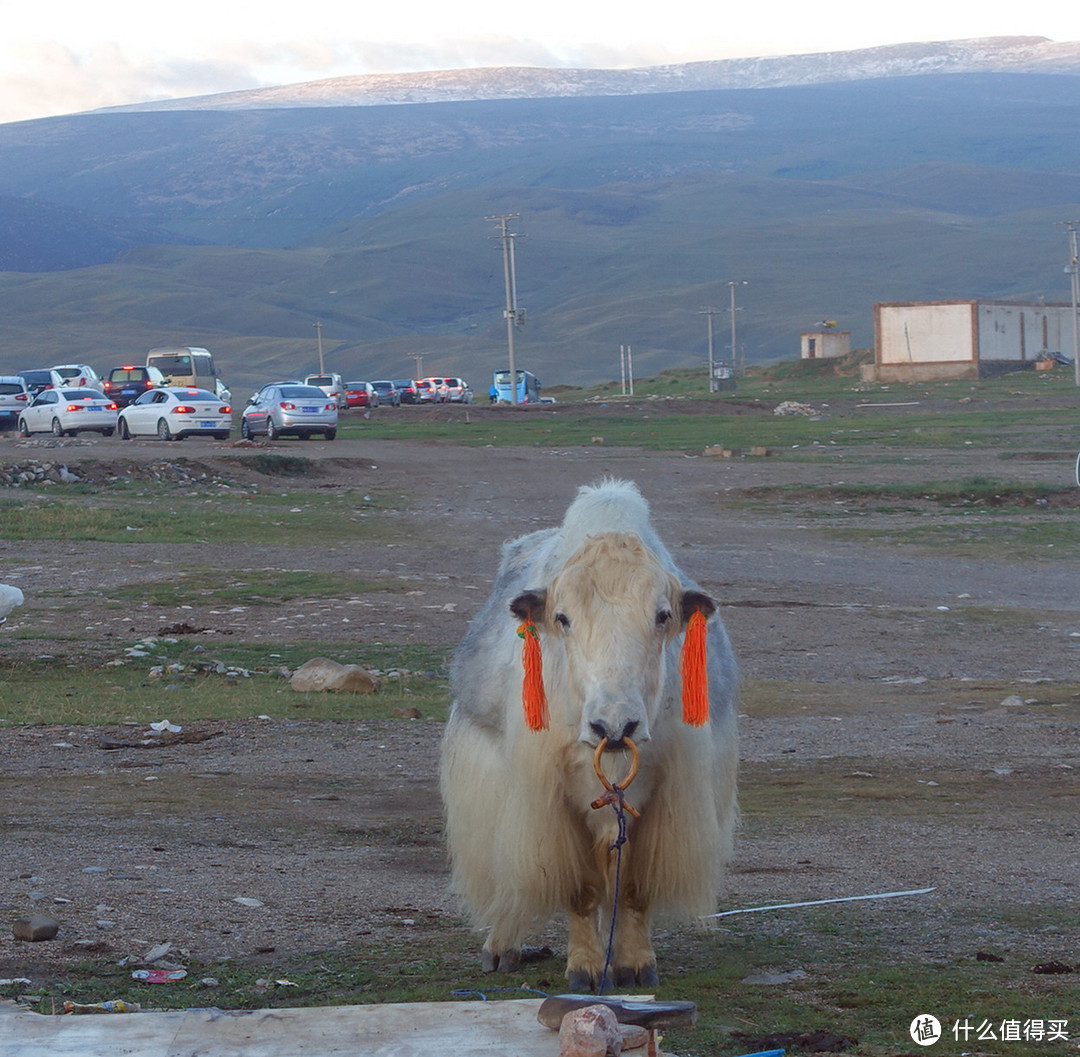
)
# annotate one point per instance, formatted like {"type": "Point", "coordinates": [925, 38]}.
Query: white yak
{"type": "Point", "coordinates": [10, 597]}
{"type": "Point", "coordinates": [604, 601]}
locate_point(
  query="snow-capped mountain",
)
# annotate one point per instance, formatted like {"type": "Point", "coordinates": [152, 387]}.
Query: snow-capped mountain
{"type": "Point", "coordinates": [986, 55]}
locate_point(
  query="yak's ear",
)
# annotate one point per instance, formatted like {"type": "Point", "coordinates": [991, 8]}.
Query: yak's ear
{"type": "Point", "coordinates": [530, 605]}
{"type": "Point", "coordinates": [697, 601]}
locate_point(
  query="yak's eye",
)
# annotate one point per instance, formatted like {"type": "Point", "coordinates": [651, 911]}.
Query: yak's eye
{"type": "Point", "coordinates": [662, 617]}
{"type": "Point", "coordinates": [562, 619]}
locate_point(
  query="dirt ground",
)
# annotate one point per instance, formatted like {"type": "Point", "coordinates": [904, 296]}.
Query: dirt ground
{"type": "Point", "coordinates": [911, 719]}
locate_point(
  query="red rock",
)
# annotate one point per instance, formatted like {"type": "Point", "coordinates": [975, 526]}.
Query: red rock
{"type": "Point", "coordinates": [590, 1032]}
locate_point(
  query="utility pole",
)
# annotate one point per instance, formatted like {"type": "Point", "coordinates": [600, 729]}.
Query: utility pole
{"type": "Point", "coordinates": [732, 283]}
{"type": "Point", "coordinates": [515, 317]}
{"type": "Point", "coordinates": [709, 313]}
{"type": "Point", "coordinates": [626, 370]}
{"type": "Point", "coordinates": [419, 357]}
{"type": "Point", "coordinates": [318, 334]}
{"type": "Point", "coordinates": [1072, 270]}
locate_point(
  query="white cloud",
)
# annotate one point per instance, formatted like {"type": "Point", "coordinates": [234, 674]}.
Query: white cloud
{"type": "Point", "coordinates": [44, 78]}
{"type": "Point", "coordinates": [71, 56]}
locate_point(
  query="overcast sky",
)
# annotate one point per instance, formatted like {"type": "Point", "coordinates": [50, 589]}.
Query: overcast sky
{"type": "Point", "coordinates": [72, 55]}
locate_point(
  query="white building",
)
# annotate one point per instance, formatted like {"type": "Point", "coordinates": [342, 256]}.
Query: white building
{"type": "Point", "coordinates": [924, 340]}
{"type": "Point", "coordinates": [819, 344]}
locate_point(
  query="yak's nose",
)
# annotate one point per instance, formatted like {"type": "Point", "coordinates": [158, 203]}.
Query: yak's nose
{"type": "Point", "coordinates": [615, 739]}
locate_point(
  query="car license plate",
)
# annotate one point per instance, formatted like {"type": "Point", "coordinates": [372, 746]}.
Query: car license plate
{"type": "Point", "coordinates": [207, 425]}
{"type": "Point", "coordinates": [310, 410]}
{"type": "Point", "coordinates": [128, 392]}
{"type": "Point", "coordinates": [95, 407]}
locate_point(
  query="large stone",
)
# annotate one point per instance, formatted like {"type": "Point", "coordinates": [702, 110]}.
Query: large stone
{"type": "Point", "coordinates": [354, 680]}
{"type": "Point", "coordinates": [315, 674]}
{"type": "Point", "coordinates": [35, 928]}
{"type": "Point", "coordinates": [321, 673]}
{"type": "Point", "coordinates": [590, 1032]}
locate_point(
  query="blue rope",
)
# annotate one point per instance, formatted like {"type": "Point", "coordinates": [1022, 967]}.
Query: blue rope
{"type": "Point", "coordinates": [470, 992]}
{"type": "Point", "coordinates": [617, 847]}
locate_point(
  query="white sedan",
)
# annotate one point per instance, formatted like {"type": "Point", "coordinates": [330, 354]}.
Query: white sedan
{"type": "Point", "coordinates": [67, 411]}
{"type": "Point", "coordinates": [174, 413]}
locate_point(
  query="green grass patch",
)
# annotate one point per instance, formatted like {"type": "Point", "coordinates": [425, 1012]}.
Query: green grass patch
{"type": "Point", "coordinates": [964, 493]}
{"type": "Point", "coordinates": [741, 422]}
{"type": "Point", "coordinates": [1049, 539]}
{"type": "Point", "coordinates": [209, 684]}
{"type": "Point", "coordinates": [968, 491]}
{"type": "Point", "coordinates": [250, 587]}
{"type": "Point", "coordinates": [984, 517]}
{"type": "Point", "coordinates": [941, 697]}
{"type": "Point", "coordinates": [865, 980]}
{"type": "Point", "coordinates": [275, 464]}
{"type": "Point", "coordinates": [162, 515]}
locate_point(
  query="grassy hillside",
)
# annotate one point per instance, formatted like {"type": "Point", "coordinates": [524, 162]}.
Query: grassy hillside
{"type": "Point", "coordinates": [635, 211]}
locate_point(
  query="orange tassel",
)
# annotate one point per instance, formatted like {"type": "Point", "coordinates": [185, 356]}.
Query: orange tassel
{"type": "Point", "coordinates": [533, 698]}
{"type": "Point", "coordinates": [695, 679]}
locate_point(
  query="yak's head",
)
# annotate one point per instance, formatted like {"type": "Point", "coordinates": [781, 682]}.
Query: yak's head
{"type": "Point", "coordinates": [605, 621]}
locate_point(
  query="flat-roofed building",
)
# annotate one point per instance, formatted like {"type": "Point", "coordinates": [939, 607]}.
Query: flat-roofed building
{"type": "Point", "coordinates": [926, 340]}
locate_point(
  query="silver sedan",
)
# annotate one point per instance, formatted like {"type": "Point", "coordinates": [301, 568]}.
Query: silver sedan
{"type": "Point", "coordinates": [282, 408]}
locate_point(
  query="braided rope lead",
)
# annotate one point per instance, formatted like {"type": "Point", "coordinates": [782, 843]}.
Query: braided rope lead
{"type": "Point", "coordinates": [619, 806]}
{"type": "Point", "coordinates": [614, 796]}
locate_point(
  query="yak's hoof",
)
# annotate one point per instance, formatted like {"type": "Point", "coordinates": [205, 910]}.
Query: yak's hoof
{"type": "Point", "coordinates": [646, 976]}
{"type": "Point", "coordinates": [580, 982]}
{"type": "Point", "coordinates": [500, 961]}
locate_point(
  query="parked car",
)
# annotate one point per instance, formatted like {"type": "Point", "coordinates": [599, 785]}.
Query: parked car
{"type": "Point", "coordinates": [431, 390]}
{"type": "Point", "coordinates": [14, 396]}
{"type": "Point", "coordinates": [330, 384]}
{"type": "Point", "coordinates": [176, 412]}
{"type": "Point", "coordinates": [37, 380]}
{"type": "Point", "coordinates": [458, 391]}
{"type": "Point", "coordinates": [67, 412]}
{"type": "Point", "coordinates": [406, 388]}
{"type": "Point", "coordinates": [442, 389]}
{"type": "Point", "coordinates": [279, 409]}
{"type": "Point", "coordinates": [387, 393]}
{"type": "Point", "coordinates": [125, 384]}
{"type": "Point", "coordinates": [76, 376]}
{"type": "Point", "coordinates": [280, 381]}
{"type": "Point", "coordinates": [360, 394]}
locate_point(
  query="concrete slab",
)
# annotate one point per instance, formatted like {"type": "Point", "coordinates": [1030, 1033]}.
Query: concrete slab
{"type": "Point", "coordinates": [421, 1029]}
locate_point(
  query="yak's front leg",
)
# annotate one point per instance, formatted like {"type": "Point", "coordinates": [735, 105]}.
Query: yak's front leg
{"type": "Point", "coordinates": [634, 959]}
{"type": "Point", "coordinates": [585, 952]}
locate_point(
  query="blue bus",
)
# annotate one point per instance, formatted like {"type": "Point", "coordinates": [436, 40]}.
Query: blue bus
{"type": "Point", "coordinates": [528, 387]}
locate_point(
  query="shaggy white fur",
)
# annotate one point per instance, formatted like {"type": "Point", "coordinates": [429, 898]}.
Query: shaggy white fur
{"type": "Point", "coordinates": [610, 606]}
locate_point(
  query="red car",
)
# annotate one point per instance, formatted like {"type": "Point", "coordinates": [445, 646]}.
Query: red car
{"type": "Point", "coordinates": [360, 394]}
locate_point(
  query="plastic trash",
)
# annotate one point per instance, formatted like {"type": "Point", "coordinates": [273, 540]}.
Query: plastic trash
{"type": "Point", "coordinates": [116, 1005]}
{"type": "Point", "coordinates": [159, 976]}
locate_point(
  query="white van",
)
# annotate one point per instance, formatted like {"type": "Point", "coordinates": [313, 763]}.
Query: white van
{"type": "Point", "coordinates": [331, 384]}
